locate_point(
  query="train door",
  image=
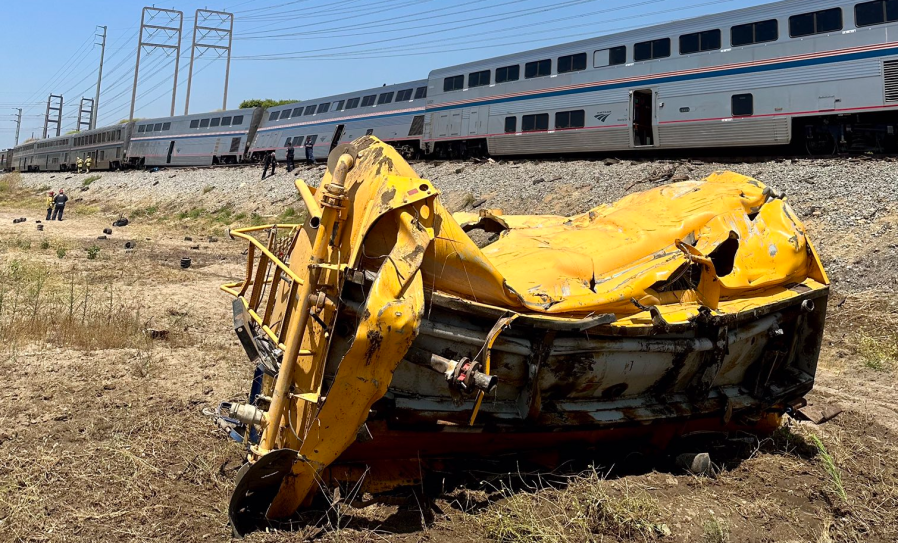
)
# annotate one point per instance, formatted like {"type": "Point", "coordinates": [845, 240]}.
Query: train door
{"type": "Point", "coordinates": [171, 149]}
{"type": "Point", "coordinates": [474, 122]}
{"type": "Point", "coordinates": [338, 133]}
{"type": "Point", "coordinates": [642, 119]}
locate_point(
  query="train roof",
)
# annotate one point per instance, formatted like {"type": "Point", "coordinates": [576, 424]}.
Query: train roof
{"type": "Point", "coordinates": [191, 116]}
{"type": "Point", "coordinates": [355, 94]}
{"type": "Point", "coordinates": [672, 29]}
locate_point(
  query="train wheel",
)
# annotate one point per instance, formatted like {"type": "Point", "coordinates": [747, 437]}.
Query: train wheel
{"type": "Point", "coordinates": [823, 144]}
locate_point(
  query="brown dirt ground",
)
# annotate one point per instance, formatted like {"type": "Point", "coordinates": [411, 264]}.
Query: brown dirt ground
{"type": "Point", "coordinates": [111, 444]}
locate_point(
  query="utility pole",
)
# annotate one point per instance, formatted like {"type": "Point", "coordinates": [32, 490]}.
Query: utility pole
{"type": "Point", "coordinates": [95, 103]}
{"type": "Point", "coordinates": [58, 109]}
{"type": "Point", "coordinates": [220, 27]}
{"type": "Point", "coordinates": [90, 111]}
{"type": "Point", "coordinates": [18, 125]}
{"type": "Point", "coordinates": [152, 31]}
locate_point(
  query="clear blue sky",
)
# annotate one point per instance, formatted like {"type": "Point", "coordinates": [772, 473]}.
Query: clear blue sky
{"type": "Point", "coordinates": [285, 49]}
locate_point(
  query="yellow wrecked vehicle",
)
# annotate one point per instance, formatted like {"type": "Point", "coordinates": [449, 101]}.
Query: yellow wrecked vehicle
{"type": "Point", "coordinates": [385, 342]}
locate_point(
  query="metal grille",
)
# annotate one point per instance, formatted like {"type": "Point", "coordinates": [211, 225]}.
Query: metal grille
{"type": "Point", "coordinates": [417, 128]}
{"type": "Point", "coordinates": [235, 145]}
{"type": "Point", "coordinates": [890, 80]}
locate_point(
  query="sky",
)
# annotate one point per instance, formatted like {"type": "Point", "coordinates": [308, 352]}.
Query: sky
{"type": "Point", "coordinates": [282, 49]}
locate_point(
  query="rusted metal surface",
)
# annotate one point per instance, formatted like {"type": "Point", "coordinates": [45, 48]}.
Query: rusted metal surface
{"type": "Point", "coordinates": [698, 305]}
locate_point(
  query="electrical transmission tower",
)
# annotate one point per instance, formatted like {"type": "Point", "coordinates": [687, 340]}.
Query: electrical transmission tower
{"type": "Point", "coordinates": [156, 23]}
{"type": "Point", "coordinates": [88, 113]}
{"type": "Point", "coordinates": [18, 122]}
{"type": "Point", "coordinates": [57, 108]}
{"type": "Point", "coordinates": [210, 30]}
{"type": "Point", "coordinates": [95, 103]}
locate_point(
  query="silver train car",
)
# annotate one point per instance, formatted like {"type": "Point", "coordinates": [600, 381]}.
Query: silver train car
{"type": "Point", "coordinates": [6, 160]}
{"type": "Point", "coordinates": [393, 113]}
{"type": "Point", "coordinates": [821, 73]}
{"type": "Point", "coordinates": [107, 147]}
{"type": "Point", "coordinates": [204, 139]}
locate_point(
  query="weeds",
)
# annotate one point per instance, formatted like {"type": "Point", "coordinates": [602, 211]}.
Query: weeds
{"type": "Point", "coordinates": [577, 513]}
{"type": "Point", "coordinates": [61, 252]}
{"type": "Point", "coordinates": [716, 531]}
{"type": "Point", "coordinates": [92, 252]}
{"type": "Point", "coordinates": [68, 310]}
{"type": "Point", "coordinates": [878, 353]}
{"type": "Point", "coordinates": [87, 181]}
{"type": "Point", "coordinates": [829, 464]}
{"type": "Point", "coordinates": [45, 245]}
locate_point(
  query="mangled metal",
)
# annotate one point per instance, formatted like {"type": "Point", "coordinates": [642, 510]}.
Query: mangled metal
{"type": "Point", "coordinates": [386, 342]}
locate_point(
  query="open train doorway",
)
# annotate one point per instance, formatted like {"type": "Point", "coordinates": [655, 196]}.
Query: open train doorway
{"type": "Point", "coordinates": [338, 133]}
{"type": "Point", "coordinates": [642, 106]}
{"type": "Point", "coordinates": [171, 149]}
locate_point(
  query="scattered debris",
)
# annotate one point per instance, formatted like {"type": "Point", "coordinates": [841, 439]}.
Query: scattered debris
{"type": "Point", "coordinates": [185, 262]}
{"type": "Point", "coordinates": [121, 221]}
{"type": "Point", "coordinates": [478, 202]}
{"type": "Point", "coordinates": [107, 231]}
{"type": "Point", "coordinates": [157, 334]}
{"type": "Point", "coordinates": [188, 238]}
{"type": "Point", "coordinates": [696, 463]}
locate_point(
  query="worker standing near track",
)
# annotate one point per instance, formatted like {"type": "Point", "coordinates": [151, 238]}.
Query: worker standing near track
{"type": "Point", "coordinates": [59, 205]}
{"type": "Point", "coordinates": [310, 150]}
{"type": "Point", "coordinates": [290, 156]}
{"type": "Point", "coordinates": [50, 204]}
{"type": "Point", "coordinates": [86, 165]}
{"type": "Point", "coordinates": [269, 161]}
{"type": "Point", "coordinates": [80, 164]}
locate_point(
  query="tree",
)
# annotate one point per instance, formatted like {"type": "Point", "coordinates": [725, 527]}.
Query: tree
{"type": "Point", "coordinates": [126, 121]}
{"type": "Point", "coordinates": [72, 132]}
{"type": "Point", "coordinates": [266, 103]}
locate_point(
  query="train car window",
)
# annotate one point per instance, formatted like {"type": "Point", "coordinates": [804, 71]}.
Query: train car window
{"type": "Point", "coordinates": [312, 139]}
{"type": "Point", "coordinates": [225, 121]}
{"type": "Point", "coordinates": [511, 125]}
{"type": "Point", "coordinates": [572, 63]}
{"type": "Point", "coordinates": [876, 13]}
{"type": "Point", "coordinates": [338, 106]}
{"type": "Point", "coordinates": [352, 103]}
{"type": "Point", "coordinates": [273, 116]}
{"type": "Point", "coordinates": [285, 114]}
{"type": "Point", "coordinates": [195, 123]}
{"type": "Point", "coordinates": [238, 120]}
{"type": "Point", "coordinates": [143, 128]}
{"type": "Point", "coordinates": [420, 92]}
{"type": "Point", "coordinates": [649, 50]}
{"type": "Point", "coordinates": [166, 126]}
{"type": "Point", "coordinates": [535, 123]}
{"type": "Point", "coordinates": [369, 100]}
{"type": "Point", "coordinates": [404, 95]}
{"type": "Point", "coordinates": [369, 132]}
{"type": "Point", "coordinates": [539, 68]}
{"type": "Point", "coordinates": [743, 105]}
{"type": "Point", "coordinates": [479, 79]}
{"type": "Point", "coordinates": [696, 42]}
{"type": "Point", "coordinates": [215, 122]}
{"type": "Point", "coordinates": [570, 119]}
{"type": "Point", "coordinates": [385, 98]}
{"type": "Point", "coordinates": [610, 57]}
{"type": "Point", "coordinates": [287, 141]}
{"type": "Point", "coordinates": [454, 83]}
{"type": "Point", "coordinates": [204, 123]}
{"type": "Point", "coordinates": [818, 22]}
{"type": "Point", "coordinates": [310, 110]}
{"type": "Point", "coordinates": [118, 135]}
{"type": "Point", "coordinates": [296, 112]}
{"type": "Point", "coordinates": [508, 73]}
{"type": "Point", "coordinates": [324, 108]}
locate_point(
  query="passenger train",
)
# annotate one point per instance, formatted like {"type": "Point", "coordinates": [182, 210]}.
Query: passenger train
{"type": "Point", "coordinates": [819, 75]}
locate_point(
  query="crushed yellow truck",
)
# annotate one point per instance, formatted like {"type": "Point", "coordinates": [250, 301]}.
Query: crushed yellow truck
{"type": "Point", "coordinates": [385, 343]}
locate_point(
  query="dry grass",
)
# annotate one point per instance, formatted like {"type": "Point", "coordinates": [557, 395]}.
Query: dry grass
{"type": "Point", "coordinates": [587, 507]}
{"type": "Point", "coordinates": [13, 193]}
{"type": "Point", "coordinates": [69, 309]}
{"type": "Point", "coordinates": [880, 352]}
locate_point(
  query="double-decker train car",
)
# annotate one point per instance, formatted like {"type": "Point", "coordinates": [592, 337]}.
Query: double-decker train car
{"type": "Point", "coordinates": [204, 139]}
{"type": "Point", "coordinates": [821, 73]}
{"type": "Point", "coordinates": [107, 147]}
{"type": "Point", "coordinates": [6, 160]}
{"type": "Point", "coordinates": [393, 113]}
